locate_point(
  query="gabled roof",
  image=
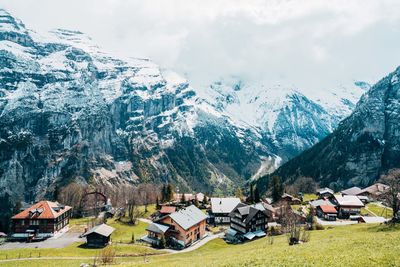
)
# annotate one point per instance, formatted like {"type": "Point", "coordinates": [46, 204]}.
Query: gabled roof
{"type": "Point", "coordinates": [376, 188]}
{"type": "Point", "coordinates": [223, 205]}
{"type": "Point", "coordinates": [348, 201]}
{"type": "Point", "coordinates": [319, 202]}
{"type": "Point", "coordinates": [188, 217]}
{"type": "Point", "coordinates": [102, 229]}
{"type": "Point", "coordinates": [43, 210]}
{"type": "Point", "coordinates": [249, 210]}
{"type": "Point", "coordinates": [167, 209]}
{"type": "Point", "coordinates": [328, 209]}
{"type": "Point", "coordinates": [324, 191]}
{"type": "Point", "coordinates": [157, 228]}
{"type": "Point", "coordinates": [353, 191]}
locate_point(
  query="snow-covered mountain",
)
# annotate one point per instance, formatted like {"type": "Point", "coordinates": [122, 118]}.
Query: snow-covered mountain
{"type": "Point", "coordinates": [363, 147]}
{"type": "Point", "coordinates": [70, 111]}
{"type": "Point", "coordinates": [293, 119]}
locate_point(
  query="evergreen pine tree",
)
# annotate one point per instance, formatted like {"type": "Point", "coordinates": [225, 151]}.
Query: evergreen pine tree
{"type": "Point", "coordinates": [158, 206]}
{"type": "Point", "coordinates": [170, 192]}
{"type": "Point", "coordinates": [163, 194]}
{"type": "Point", "coordinates": [251, 197]}
{"type": "Point", "coordinates": [256, 195]}
{"type": "Point", "coordinates": [276, 187]}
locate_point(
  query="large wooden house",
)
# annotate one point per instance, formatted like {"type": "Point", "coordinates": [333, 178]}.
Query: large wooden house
{"type": "Point", "coordinates": [221, 208]}
{"type": "Point", "coordinates": [42, 220]}
{"type": "Point", "coordinates": [348, 206]}
{"type": "Point", "coordinates": [248, 221]}
{"type": "Point", "coordinates": [182, 227]}
{"type": "Point", "coordinates": [375, 191]}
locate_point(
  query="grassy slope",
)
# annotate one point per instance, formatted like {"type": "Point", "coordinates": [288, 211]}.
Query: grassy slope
{"type": "Point", "coordinates": [355, 245]}
{"type": "Point", "coordinates": [380, 211]}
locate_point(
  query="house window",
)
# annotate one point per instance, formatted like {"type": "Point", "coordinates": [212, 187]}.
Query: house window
{"type": "Point", "coordinates": [23, 222]}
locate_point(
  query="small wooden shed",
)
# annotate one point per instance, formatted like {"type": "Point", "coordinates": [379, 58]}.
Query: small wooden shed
{"type": "Point", "coordinates": [99, 236]}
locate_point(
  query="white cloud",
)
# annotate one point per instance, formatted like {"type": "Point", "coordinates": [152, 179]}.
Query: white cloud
{"type": "Point", "coordinates": [310, 43]}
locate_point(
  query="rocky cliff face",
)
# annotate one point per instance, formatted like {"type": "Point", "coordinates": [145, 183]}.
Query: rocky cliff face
{"type": "Point", "coordinates": [364, 145]}
{"type": "Point", "coordinates": [293, 120]}
{"type": "Point", "coordinates": [69, 111]}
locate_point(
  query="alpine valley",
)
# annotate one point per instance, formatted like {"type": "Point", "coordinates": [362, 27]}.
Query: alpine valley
{"type": "Point", "coordinates": [362, 148]}
{"type": "Point", "coordinates": [72, 112]}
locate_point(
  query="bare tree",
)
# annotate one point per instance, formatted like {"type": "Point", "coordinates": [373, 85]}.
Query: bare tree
{"type": "Point", "coordinates": [133, 210]}
{"type": "Point", "coordinates": [71, 195]}
{"type": "Point", "coordinates": [291, 225]}
{"type": "Point", "coordinates": [107, 255]}
{"type": "Point", "coordinates": [392, 194]}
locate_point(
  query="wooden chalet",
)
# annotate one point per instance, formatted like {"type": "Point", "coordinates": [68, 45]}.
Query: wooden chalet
{"type": "Point", "coordinates": [348, 206]}
{"type": "Point", "coordinates": [327, 212]}
{"type": "Point", "coordinates": [42, 220]}
{"type": "Point", "coordinates": [99, 236]}
{"type": "Point", "coordinates": [180, 228]}
{"type": "Point", "coordinates": [247, 222]}
{"type": "Point", "coordinates": [287, 199]}
{"type": "Point", "coordinates": [352, 191]}
{"type": "Point", "coordinates": [374, 191]}
{"type": "Point", "coordinates": [326, 192]}
{"type": "Point", "coordinates": [221, 208]}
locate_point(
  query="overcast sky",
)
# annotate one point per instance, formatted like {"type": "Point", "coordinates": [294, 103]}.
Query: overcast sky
{"type": "Point", "coordinates": [308, 44]}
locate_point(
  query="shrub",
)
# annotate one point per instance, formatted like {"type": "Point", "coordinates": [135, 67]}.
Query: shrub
{"type": "Point", "coordinates": [107, 255]}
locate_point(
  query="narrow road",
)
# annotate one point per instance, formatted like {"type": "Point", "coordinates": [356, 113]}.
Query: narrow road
{"type": "Point", "coordinates": [169, 251]}
{"type": "Point", "coordinates": [196, 245]}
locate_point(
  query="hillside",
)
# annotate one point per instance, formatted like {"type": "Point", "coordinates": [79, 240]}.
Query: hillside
{"type": "Point", "coordinates": [364, 145]}
{"type": "Point", "coordinates": [355, 245]}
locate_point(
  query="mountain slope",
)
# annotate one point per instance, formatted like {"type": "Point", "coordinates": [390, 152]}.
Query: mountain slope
{"type": "Point", "coordinates": [69, 111]}
{"type": "Point", "coordinates": [293, 120]}
{"type": "Point", "coordinates": [364, 145]}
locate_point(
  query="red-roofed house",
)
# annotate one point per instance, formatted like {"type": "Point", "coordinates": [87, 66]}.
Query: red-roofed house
{"type": "Point", "coordinates": [328, 212]}
{"type": "Point", "coordinates": [165, 210]}
{"type": "Point", "coordinates": [43, 219]}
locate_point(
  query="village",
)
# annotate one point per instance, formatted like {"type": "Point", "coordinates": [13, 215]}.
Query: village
{"type": "Point", "coordinates": [182, 222]}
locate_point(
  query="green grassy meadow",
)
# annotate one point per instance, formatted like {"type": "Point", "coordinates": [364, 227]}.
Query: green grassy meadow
{"type": "Point", "coordinates": [353, 245]}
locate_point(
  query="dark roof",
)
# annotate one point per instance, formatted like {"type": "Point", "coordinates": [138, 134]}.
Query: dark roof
{"type": "Point", "coordinates": [249, 210]}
